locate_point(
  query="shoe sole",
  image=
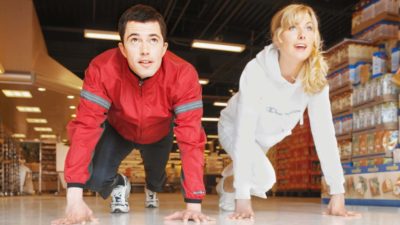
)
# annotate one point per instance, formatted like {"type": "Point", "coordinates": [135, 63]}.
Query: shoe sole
{"type": "Point", "coordinates": [119, 211]}
{"type": "Point", "coordinates": [151, 206]}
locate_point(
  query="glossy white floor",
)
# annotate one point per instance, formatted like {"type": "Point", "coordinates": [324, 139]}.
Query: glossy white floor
{"type": "Point", "coordinates": [39, 210]}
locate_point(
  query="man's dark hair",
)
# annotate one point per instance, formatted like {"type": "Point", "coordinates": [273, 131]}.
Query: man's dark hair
{"type": "Point", "coordinates": [141, 13]}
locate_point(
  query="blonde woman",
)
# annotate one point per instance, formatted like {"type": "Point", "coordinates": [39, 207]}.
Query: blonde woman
{"type": "Point", "coordinates": [276, 87]}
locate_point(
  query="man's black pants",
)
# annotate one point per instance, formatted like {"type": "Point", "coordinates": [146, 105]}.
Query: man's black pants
{"type": "Point", "coordinates": [112, 148]}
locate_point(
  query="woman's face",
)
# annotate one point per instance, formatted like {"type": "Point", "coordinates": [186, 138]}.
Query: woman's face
{"type": "Point", "coordinates": [297, 41]}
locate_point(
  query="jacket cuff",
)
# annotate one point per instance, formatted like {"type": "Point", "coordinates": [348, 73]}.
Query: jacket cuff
{"type": "Point", "coordinates": [78, 185]}
{"type": "Point", "coordinates": [191, 200]}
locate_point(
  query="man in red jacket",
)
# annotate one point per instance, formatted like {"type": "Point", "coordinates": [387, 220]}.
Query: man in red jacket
{"type": "Point", "coordinates": [136, 96]}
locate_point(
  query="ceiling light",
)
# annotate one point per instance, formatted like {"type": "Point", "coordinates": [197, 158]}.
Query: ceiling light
{"type": "Point", "coordinates": [217, 45]}
{"type": "Point", "coordinates": [65, 140]}
{"type": "Point", "coordinates": [212, 136]}
{"type": "Point", "coordinates": [18, 136]}
{"type": "Point", "coordinates": [203, 81]}
{"type": "Point", "coordinates": [43, 129]}
{"type": "Point", "coordinates": [73, 115]}
{"type": "Point", "coordinates": [17, 94]}
{"type": "Point", "coordinates": [29, 109]}
{"type": "Point", "coordinates": [210, 119]}
{"type": "Point", "coordinates": [1, 69]}
{"type": "Point", "coordinates": [223, 104]}
{"type": "Point", "coordinates": [16, 78]}
{"type": "Point", "coordinates": [48, 136]}
{"type": "Point", "coordinates": [36, 120]}
{"type": "Point", "coordinates": [72, 107]}
{"type": "Point", "coordinates": [70, 97]}
{"type": "Point", "coordinates": [101, 34]}
{"type": "Point", "coordinates": [41, 89]}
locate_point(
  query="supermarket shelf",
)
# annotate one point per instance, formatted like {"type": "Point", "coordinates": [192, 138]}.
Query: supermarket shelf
{"type": "Point", "coordinates": [345, 88]}
{"type": "Point", "coordinates": [346, 41]}
{"type": "Point", "coordinates": [376, 19]}
{"type": "Point", "coordinates": [343, 137]}
{"type": "Point", "coordinates": [376, 101]}
{"type": "Point", "coordinates": [368, 202]}
{"type": "Point", "coordinates": [342, 112]}
{"type": "Point", "coordinates": [345, 159]}
{"type": "Point", "coordinates": [386, 126]}
{"type": "Point", "coordinates": [337, 67]}
{"type": "Point", "coordinates": [383, 38]}
{"type": "Point", "coordinates": [369, 156]}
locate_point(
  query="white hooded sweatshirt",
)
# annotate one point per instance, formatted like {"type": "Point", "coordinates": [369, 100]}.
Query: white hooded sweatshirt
{"type": "Point", "coordinates": [263, 112]}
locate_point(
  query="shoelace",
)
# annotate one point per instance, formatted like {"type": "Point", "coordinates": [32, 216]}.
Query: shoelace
{"type": "Point", "coordinates": [118, 196]}
{"type": "Point", "coordinates": [151, 196]}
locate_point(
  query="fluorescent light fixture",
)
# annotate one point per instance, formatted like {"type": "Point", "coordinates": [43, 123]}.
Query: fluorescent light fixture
{"type": "Point", "coordinates": [41, 89]}
{"type": "Point", "coordinates": [204, 81]}
{"type": "Point", "coordinates": [31, 109]}
{"type": "Point", "coordinates": [65, 140]}
{"type": "Point", "coordinates": [70, 97]}
{"type": "Point", "coordinates": [43, 129]}
{"type": "Point", "coordinates": [101, 34]}
{"type": "Point", "coordinates": [72, 107]}
{"type": "Point", "coordinates": [73, 115]}
{"type": "Point", "coordinates": [18, 135]}
{"type": "Point", "coordinates": [36, 120]}
{"type": "Point", "coordinates": [16, 78]}
{"type": "Point", "coordinates": [48, 136]}
{"type": "Point", "coordinates": [210, 119]}
{"type": "Point", "coordinates": [17, 94]}
{"type": "Point", "coordinates": [223, 104]}
{"type": "Point", "coordinates": [217, 45]}
{"type": "Point", "coordinates": [212, 136]}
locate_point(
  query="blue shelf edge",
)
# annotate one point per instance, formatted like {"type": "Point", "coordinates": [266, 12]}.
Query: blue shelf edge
{"type": "Point", "coordinates": [368, 202]}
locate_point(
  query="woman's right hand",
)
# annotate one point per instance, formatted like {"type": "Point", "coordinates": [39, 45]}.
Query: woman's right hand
{"type": "Point", "coordinates": [243, 210]}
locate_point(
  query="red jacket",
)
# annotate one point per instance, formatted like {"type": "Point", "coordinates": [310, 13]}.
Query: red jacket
{"type": "Point", "coordinates": [141, 111]}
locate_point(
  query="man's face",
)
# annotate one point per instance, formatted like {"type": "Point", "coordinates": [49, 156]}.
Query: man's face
{"type": "Point", "coordinates": [143, 46]}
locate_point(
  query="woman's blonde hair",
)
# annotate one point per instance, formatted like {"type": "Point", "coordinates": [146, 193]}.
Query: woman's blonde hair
{"type": "Point", "coordinates": [314, 71]}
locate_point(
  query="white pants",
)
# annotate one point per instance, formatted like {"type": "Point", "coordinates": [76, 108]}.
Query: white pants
{"type": "Point", "coordinates": [263, 173]}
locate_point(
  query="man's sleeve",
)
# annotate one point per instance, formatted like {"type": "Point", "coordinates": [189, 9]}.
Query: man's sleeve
{"type": "Point", "coordinates": [85, 131]}
{"type": "Point", "coordinates": [188, 108]}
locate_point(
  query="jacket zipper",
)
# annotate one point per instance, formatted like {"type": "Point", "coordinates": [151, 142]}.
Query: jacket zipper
{"type": "Point", "coordinates": [141, 108]}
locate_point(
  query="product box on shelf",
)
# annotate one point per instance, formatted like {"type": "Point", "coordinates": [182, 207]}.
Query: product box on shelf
{"type": "Point", "coordinates": [370, 12]}
{"type": "Point", "coordinates": [395, 59]}
{"type": "Point", "coordinates": [348, 52]}
{"type": "Point", "coordinates": [370, 185]}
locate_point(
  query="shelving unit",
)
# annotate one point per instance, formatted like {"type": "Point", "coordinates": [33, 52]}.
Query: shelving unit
{"type": "Point", "coordinates": [371, 172]}
{"type": "Point", "coordinates": [297, 165]}
{"type": "Point", "coordinates": [48, 173]}
{"type": "Point", "coordinates": [9, 165]}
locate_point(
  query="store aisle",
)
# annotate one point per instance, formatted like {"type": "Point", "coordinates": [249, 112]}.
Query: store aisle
{"type": "Point", "coordinates": [40, 210]}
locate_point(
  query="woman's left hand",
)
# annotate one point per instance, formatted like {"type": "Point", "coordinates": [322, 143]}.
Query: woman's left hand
{"type": "Point", "coordinates": [336, 207]}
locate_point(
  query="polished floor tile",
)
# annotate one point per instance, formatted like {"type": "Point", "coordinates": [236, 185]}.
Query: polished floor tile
{"type": "Point", "coordinates": [39, 210]}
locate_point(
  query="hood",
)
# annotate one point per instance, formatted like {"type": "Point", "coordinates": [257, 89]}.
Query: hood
{"type": "Point", "coordinates": [268, 60]}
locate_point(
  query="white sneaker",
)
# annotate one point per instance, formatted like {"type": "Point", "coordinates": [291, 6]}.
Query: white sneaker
{"type": "Point", "coordinates": [226, 199]}
{"type": "Point", "coordinates": [120, 196]}
{"type": "Point", "coordinates": [151, 199]}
